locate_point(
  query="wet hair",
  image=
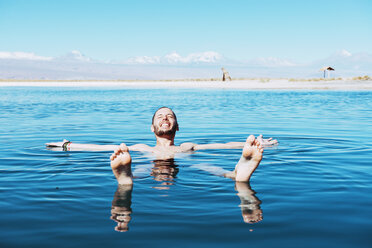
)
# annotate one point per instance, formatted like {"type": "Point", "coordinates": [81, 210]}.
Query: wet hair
{"type": "Point", "coordinates": [175, 117]}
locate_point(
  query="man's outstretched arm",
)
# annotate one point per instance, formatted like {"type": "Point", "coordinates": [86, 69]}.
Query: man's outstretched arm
{"type": "Point", "coordinates": [230, 145]}
{"type": "Point", "coordinates": [70, 146]}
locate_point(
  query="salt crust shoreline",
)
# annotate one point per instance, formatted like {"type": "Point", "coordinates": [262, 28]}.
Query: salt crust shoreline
{"type": "Point", "coordinates": [274, 84]}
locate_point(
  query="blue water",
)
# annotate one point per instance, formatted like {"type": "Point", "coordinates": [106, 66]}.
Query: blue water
{"type": "Point", "coordinates": [312, 190]}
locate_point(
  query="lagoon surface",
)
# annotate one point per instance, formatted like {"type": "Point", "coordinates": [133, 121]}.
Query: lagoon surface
{"type": "Point", "coordinates": [312, 190]}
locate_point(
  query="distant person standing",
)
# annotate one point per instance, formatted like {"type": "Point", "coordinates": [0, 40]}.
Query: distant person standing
{"type": "Point", "coordinates": [225, 75]}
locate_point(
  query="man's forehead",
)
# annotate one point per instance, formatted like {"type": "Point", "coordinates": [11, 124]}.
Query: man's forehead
{"type": "Point", "coordinates": [163, 111]}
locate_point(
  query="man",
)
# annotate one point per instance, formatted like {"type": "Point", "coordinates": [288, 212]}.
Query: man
{"type": "Point", "coordinates": [165, 125]}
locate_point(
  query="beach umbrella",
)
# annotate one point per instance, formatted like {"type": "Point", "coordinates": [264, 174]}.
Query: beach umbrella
{"type": "Point", "coordinates": [326, 68]}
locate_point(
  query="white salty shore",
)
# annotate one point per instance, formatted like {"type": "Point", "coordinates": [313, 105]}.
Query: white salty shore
{"type": "Point", "coordinates": [272, 84]}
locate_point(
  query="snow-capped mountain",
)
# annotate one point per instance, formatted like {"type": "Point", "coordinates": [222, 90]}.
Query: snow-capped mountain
{"type": "Point", "coordinates": [23, 56]}
{"type": "Point", "coordinates": [271, 62]}
{"type": "Point", "coordinates": [175, 58]}
{"type": "Point", "coordinates": [74, 56]}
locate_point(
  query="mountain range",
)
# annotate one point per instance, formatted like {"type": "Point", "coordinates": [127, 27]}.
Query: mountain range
{"type": "Point", "coordinates": [76, 65]}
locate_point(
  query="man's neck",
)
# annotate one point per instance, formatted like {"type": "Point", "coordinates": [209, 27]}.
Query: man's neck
{"type": "Point", "coordinates": [164, 141]}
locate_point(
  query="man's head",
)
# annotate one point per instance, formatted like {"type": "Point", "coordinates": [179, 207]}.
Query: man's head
{"type": "Point", "coordinates": [164, 122]}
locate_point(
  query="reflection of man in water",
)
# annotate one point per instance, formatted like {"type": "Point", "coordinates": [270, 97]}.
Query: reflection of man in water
{"type": "Point", "coordinates": [121, 207]}
{"type": "Point", "coordinates": [249, 203]}
{"type": "Point", "coordinates": [164, 125]}
{"type": "Point", "coordinates": [164, 171]}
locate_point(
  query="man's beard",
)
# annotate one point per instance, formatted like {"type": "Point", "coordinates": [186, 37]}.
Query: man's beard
{"type": "Point", "coordinates": [160, 133]}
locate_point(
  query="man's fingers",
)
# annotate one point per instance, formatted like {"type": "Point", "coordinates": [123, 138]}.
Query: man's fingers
{"type": "Point", "coordinates": [118, 151]}
{"type": "Point", "coordinates": [250, 139]}
{"type": "Point", "coordinates": [259, 145]}
{"type": "Point", "coordinates": [123, 147]}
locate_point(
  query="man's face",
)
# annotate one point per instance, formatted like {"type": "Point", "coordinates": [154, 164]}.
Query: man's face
{"type": "Point", "coordinates": [164, 122]}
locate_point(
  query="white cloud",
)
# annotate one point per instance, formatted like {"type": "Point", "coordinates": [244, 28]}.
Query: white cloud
{"type": "Point", "coordinates": [22, 56]}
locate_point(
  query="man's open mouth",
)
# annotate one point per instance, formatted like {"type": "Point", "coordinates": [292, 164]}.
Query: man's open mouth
{"type": "Point", "coordinates": [165, 125]}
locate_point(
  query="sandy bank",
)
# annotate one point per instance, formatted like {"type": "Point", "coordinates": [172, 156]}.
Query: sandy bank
{"type": "Point", "coordinates": [235, 84]}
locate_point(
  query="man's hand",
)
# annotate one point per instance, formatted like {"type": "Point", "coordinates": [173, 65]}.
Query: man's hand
{"type": "Point", "coordinates": [267, 142]}
{"type": "Point", "coordinates": [56, 144]}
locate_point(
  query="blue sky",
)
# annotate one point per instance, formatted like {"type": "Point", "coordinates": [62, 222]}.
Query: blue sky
{"type": "Point", "coordinates": [241, 30]}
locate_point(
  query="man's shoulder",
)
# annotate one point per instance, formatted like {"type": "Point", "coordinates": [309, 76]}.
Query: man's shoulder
{"type": "Point", "coordinates": [140, 148]}
{"type": "Point", "coordinates": [187, 147]}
